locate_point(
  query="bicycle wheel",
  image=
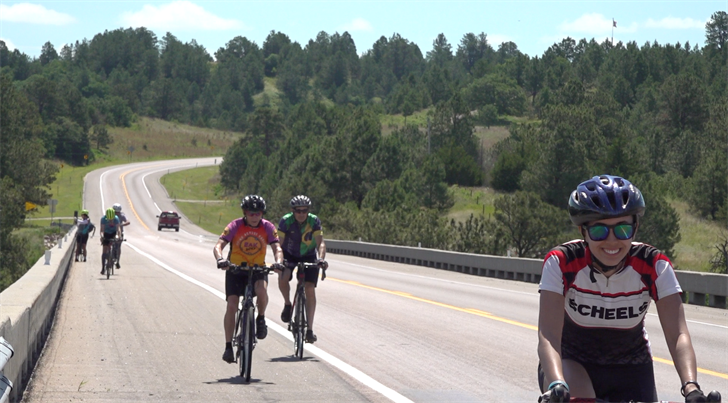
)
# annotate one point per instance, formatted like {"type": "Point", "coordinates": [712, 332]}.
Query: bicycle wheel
{"type": "Point", "coordinates": [247, 339]}
{"type": "Point", "coordinates": [109, 265]}
{"type": "Point", "coordinates": [299, 329]}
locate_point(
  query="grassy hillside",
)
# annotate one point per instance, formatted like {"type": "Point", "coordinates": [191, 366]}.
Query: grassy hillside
{"type": "Point", "coordinates": [152, 139]}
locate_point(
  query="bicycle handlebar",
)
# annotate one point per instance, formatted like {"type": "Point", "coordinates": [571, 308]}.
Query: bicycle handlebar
{"type": "Point", "coordinates": [255, 268]}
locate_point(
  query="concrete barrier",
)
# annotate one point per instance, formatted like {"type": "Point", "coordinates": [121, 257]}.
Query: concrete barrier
{"type": "Point", "coordinates": [27, 309]}
{"type": "Point", "coordinates": [697, 287]}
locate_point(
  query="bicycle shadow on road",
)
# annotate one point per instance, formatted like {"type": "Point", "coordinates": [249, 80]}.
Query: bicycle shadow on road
{"type": "Point", "coordinates": [290, 358]}
{"type": "Point", "coordinates": [236, 380]}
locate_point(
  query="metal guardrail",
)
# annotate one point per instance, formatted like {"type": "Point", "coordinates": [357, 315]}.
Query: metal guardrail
{"type": "Point", "coordinates": [698, 288]}
{"type": "Point", "coordinates": [6, 352]}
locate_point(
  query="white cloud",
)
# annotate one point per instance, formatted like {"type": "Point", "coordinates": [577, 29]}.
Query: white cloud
{"type": "Point", "coordinates": [33, 14]}
{"type": "Point", "coordinates": [178, 15]}
{"type": "Point", "coordinates": [357, 24]}
{"type": "Point", "coordinates": [676, 23]}
{"type": "Point", "coordinates": [594, 24]}
{"type": "Point", "coordinates": [8, 43]}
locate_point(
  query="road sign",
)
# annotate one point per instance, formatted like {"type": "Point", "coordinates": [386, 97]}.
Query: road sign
{"type": "Point", "coordinates": [30, 206]}
{"type": "Point", "coordinates": [52, 202]}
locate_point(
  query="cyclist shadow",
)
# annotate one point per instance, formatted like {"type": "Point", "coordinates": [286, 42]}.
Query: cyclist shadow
{"type": "Point", "coordinates": [290, 358]}
{"type": "Point", "coordinates": [236, 380]}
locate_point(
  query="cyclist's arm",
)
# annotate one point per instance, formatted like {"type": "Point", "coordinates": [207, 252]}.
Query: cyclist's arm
{"type": "Point", "coordinates": [217, 250]}
{"type": "Point", "coordinates": [550, 326]}
{"type": "Point", "coordinates": [321, 246]}
{"type": "Point", "coordinates": [277, 252]}
{"type": "Point", "coordinates": [672, 318]}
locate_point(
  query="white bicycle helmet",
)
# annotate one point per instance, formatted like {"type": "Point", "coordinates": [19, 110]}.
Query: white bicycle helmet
{"type": "Point", "coordinates": [117, 207]}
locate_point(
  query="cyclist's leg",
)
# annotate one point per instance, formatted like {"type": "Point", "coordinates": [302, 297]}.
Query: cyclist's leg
{"type": "Point", "coordinates": [118, 251]}
{"type": "Point", "coordinates": [578, 379]}
{"type": "Point", "coordinates": [311, 280]}
{"type": "Point", "coordinates": [284, 285]}
{"type": "Point", "coordinates": [623, 382]}
{"type": "Point", "coordinates": [261, 293]}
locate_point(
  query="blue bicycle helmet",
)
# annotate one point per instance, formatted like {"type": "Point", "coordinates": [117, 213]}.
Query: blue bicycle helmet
{"type": "Point", "coordinates": [605, 196]}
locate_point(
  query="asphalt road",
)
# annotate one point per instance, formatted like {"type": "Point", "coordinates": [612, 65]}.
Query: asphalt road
{"type": "Point", "coordinates": [387, 331]}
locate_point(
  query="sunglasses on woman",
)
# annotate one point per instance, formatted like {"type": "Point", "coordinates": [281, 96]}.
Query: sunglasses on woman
{"type": "Point", "coordinates": [600, 232]}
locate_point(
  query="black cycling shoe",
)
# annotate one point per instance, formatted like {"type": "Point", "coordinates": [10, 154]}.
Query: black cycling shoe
{"type": "Point", "coordinates": [228, 356]}
{"type": "Point", "coordinates": [118, 266]}
{"type": "Point", "coordinates": [286, 314]}
{"type": "Point", "coordinates": [103, 272]}
{"type": "Point", "coordinates": [310, 337]}
{"type": "Point", "coordinates": [261, 329]}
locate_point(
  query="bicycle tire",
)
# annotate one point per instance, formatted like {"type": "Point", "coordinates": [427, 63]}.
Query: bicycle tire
{"type": "Point", "coordinates": [247, 338]}
{"type": "Point", "coordinates": [300, 326]}
{"type": "Point", "coordinates": [109, 266]}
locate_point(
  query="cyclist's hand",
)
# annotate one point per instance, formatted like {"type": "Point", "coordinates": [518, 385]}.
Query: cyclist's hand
{"type": "Point", "coordinates": [323, 264]}
{"type": "Point", "coordinates": [277, 267]}
{"type": "Point", "coordinates": [559, 393]}
{"type": "Point", "coordinates": [222, 264]}
{"type": "Point", "coordinates": [696, 396]}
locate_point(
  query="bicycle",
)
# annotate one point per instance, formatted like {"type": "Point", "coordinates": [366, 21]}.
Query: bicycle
{"type": "Point", "coordinates": [113, 256]}
{"type": "Point", "coordinates": [559, 396]}
{"type": "Point", "coordinates": [244, 333]}
{"type": "Point", "coordinates": [298, 324]}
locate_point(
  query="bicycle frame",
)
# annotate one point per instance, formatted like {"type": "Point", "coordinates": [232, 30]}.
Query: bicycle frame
{"type": "Point", "coordinates": [244, 332]}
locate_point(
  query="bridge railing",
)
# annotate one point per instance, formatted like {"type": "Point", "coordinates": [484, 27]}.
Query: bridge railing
{"type": "Point", "coordinates": [698, 288]}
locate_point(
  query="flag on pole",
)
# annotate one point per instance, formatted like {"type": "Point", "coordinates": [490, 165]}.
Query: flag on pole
{"type": "Point", "coordinates": [614, 23]}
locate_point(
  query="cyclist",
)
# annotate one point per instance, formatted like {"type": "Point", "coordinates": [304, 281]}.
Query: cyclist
{"type": "Point", "coordinates": [85, 226]}
{"type": "Point", "coordinates": [110, 228]}
{"type": "Point", "coordinates": [301, 238]}
{"type": "Point", "coordinates": [124, 222]}
{"type": "Point", "coordinates": [248, 236]}
{"type": "Point", "coordinates": [595, 293]}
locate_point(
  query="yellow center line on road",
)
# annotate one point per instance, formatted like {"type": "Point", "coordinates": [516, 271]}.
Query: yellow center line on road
{"type": "Point", "coordinates": [126, 192]}
{"type": "Point", "coordinates": [493, 317]}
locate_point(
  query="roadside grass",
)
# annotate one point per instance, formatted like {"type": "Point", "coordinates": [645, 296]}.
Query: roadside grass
{"type": "Point", "coordinates": [211, 209]}
{"type": "Point", "coordinates": [698, 239]}
{"type": "Point", "coordinates": [194, 184]}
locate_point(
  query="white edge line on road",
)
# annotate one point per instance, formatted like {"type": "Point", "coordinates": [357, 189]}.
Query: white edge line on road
{"type": "Point", "coordinates": [487, 287]}
{"type": "Point", "coordinates": [341, 365]}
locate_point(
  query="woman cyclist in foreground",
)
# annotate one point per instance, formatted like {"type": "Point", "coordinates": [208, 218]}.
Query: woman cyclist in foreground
{"type": "Point", "coordinates": [595, 293]}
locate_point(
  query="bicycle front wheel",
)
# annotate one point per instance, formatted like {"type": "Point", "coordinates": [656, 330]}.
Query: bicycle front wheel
{"type": "Point", "coordinates": [299, 328]}
{"type": "Point", "coordinates": [109, 266]}
{"type": "Point", "coordinates": [247, 340]}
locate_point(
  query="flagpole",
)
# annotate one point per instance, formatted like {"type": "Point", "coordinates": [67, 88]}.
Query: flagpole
{"type": "Point", "coordinates": [612, 31]}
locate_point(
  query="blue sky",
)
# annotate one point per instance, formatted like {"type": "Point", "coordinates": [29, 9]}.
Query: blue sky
{"type": "Point", "coordinates": [532, 25]}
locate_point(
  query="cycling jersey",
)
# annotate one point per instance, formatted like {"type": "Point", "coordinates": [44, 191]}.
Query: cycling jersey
{"type": "Point", "coordinates": [247, 244]}
{"type": "Point", "coordinates": [84, 226]}
{"type": "Point", "coordinates": [604, 316]}
{"type": "Point", "coordinates": [122, 219]}
{"type": "Point", "coordinates": [299, 240]}
{"type": "Point", "coordinates": [110, 226]}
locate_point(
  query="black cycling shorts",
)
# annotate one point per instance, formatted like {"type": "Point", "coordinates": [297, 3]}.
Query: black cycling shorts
{"type": "Point", "coordinates": [107, 238]}
{"type": "Point", "coordinates": [82, 239]}
{"type": "Point", "coordinates": [619, 383]}
{"type": "Point", "coordinates": [312, 273]}
{"type": "Point", "coordinates": [235, 283]}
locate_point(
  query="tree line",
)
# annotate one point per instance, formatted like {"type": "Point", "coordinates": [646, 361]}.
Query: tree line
{"type": "Point", "coordinates": [655, 114]}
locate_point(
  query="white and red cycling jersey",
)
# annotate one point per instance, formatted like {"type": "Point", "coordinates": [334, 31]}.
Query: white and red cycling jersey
{"type": "Point", "coordinates": [604, 316]}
